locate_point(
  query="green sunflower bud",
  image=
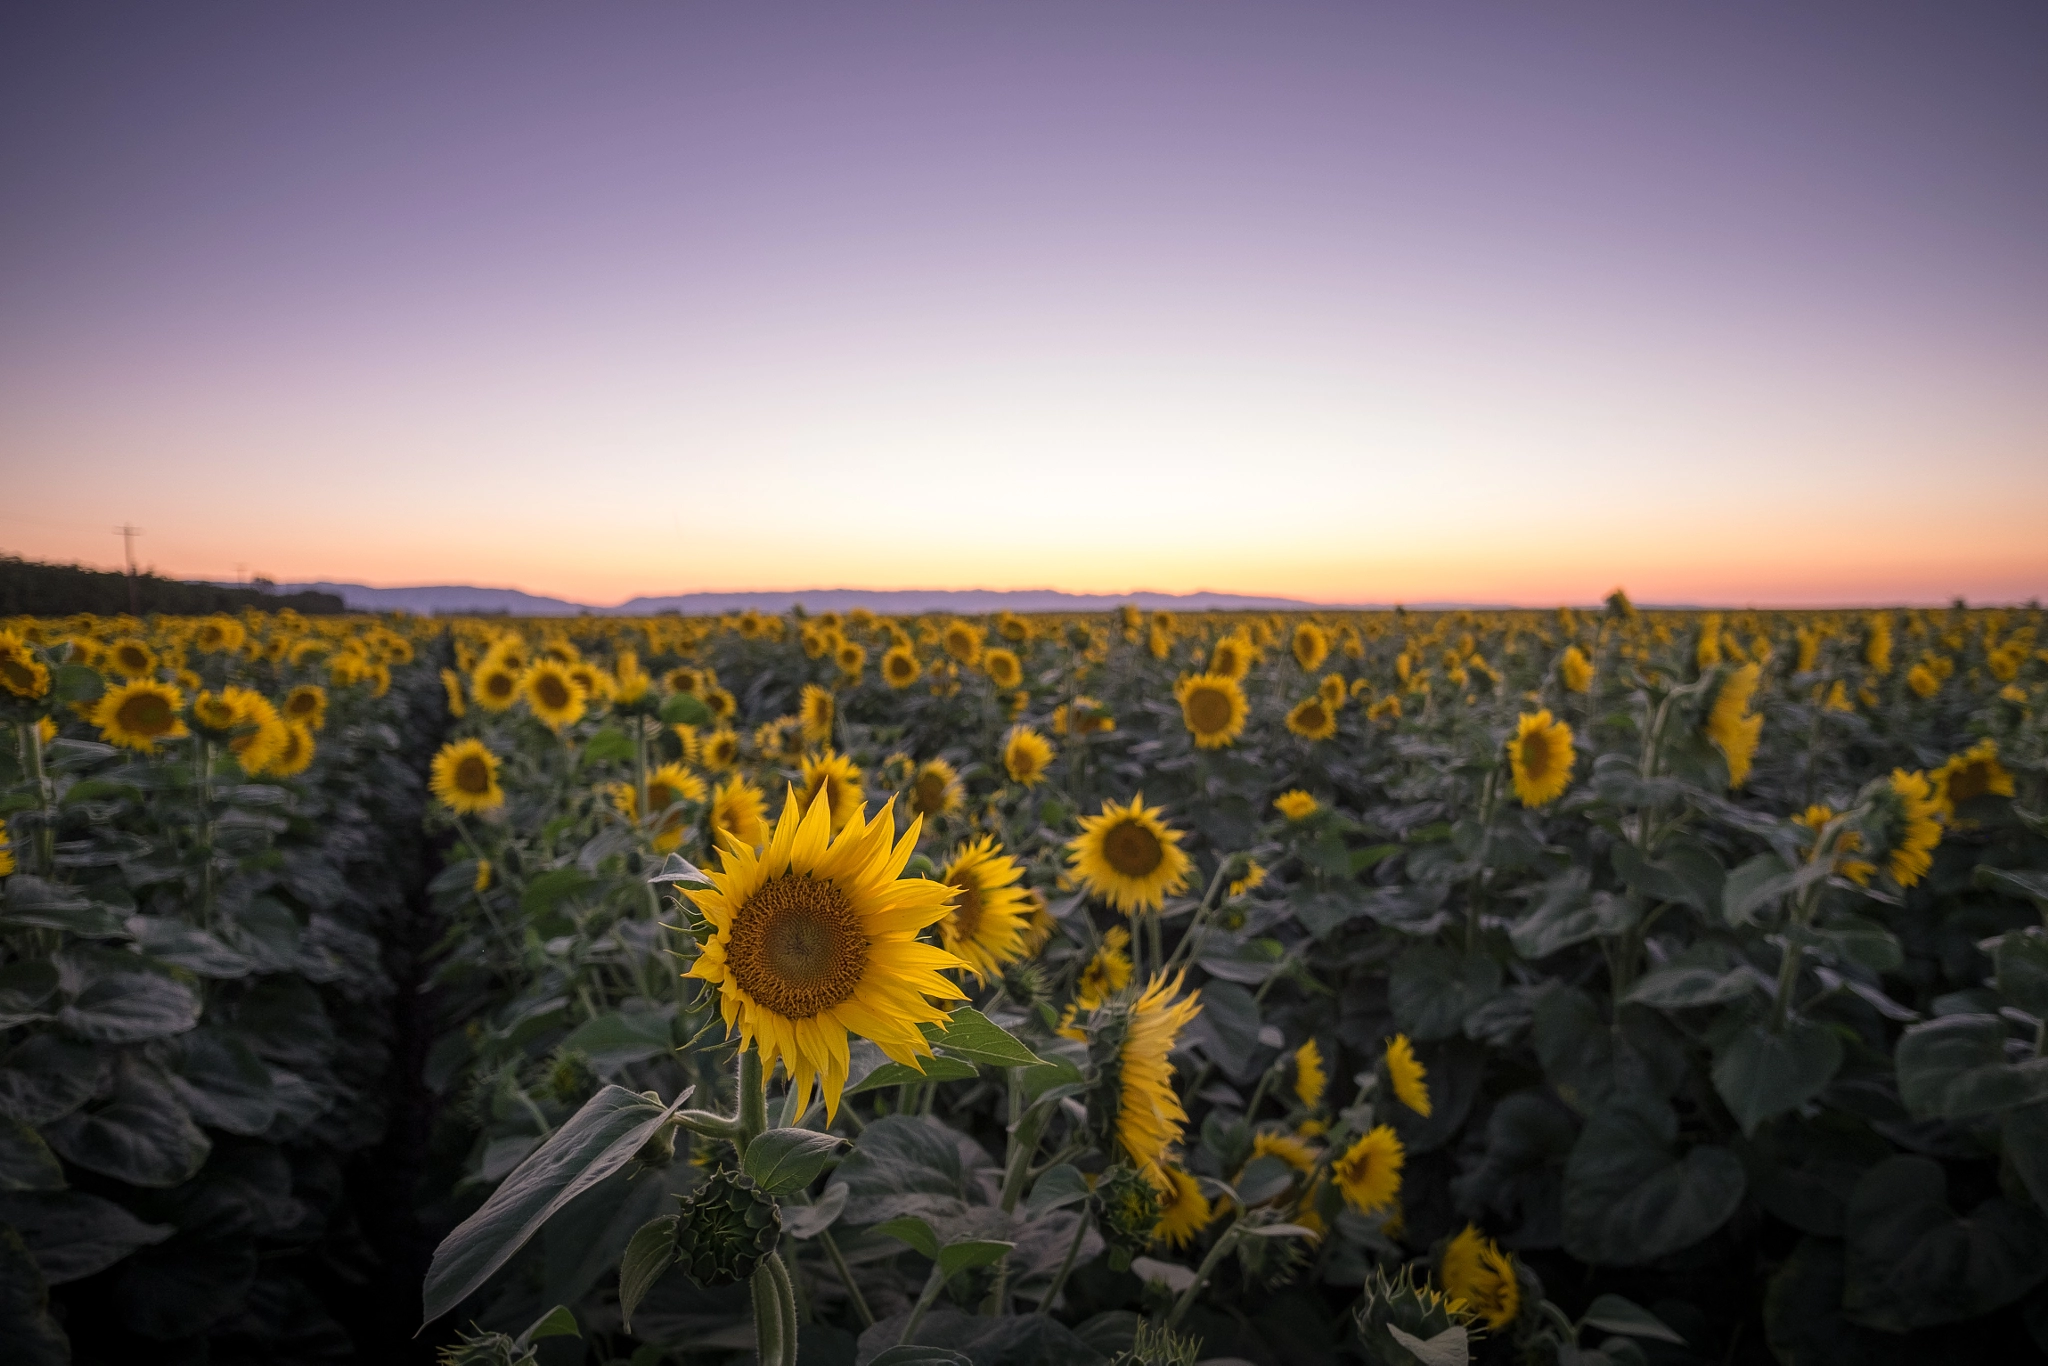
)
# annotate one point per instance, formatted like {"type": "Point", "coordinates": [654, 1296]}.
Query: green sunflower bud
{"type": "Point", "coordinates": [1398, 1313]}
{"type": "Point", "coordinates": [1130, 1213]}
{"type": "Point", "coordinates": [1027, 984]}
{"type": "Point", "coordinates": [724, 1229]}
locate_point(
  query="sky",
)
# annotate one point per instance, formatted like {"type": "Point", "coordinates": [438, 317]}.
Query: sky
{"type": "Point", "coordinates": [1348, 302]}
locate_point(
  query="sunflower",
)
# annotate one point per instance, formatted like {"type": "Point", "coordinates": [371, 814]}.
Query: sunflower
{"type": "Point", "coordinates": [739, 810]}
{"type": "Point", "coordinates": [1407, 1075]}
{"type": "Point", "coordinates": [962, 640]}
{"type": "Point", "coordinates": [1847, 842]}
{"type": "Point", "coordinates": [900, 668]}
{"type": "Point", "coordinates": [1212, 706]}
{"type": "Point", "coordinates": [553, 693]}
{"type": "Point", "coordinates": [817, 935]}
{"type": "Point", "coordinates": [630, 682]}
{"type": "Point", "coordinates": [137, 714]}
{"type": "Point", "coordinates": [1002, 668]}
{"type": "Point", "coordinates": [1369, 1173]}
{"type": "Point", "coordinates": [1575, 669]}
{"type": "Point", "coordinates": [1309, 1077]}
{"type": "Point", "coordinates": [1108, 972]}
{"type": "Point", "coordinates": [1086, 717]}
{"type": "Point", "coordinates": [1128, 856]}
{"type": "Point", "coordinates": [1286, 1147]}
{"type": "Point", "coordinates": [1296, 805]}
{"type": "Point", "coordinates": [218, 635]}
{"type": "Point", "coordinates": [1026, 755]}
{"type": "Point", "coordinates": [1253, 879]}
{"type": "Point", "coordinates": [21, 673]}
{"type": "Point", "coordinates": [1312, 718]}
{"type": "Point", "coordinates": [1477, 1272]}
{"type": "Point", "coordinates": [814, 712]}
{"type": "Point", "coordinates": [1974, 773]}
{"type": "Point", "coordinates": [1311, 646]}
{"type": "Point", "coordinates": [935, 789]}
{"type": "Point", "coordinates": [1183, 1210]}
{"type": "Point", "coordinates": [720, 750]}
{"type": "Point", "coordinates": [1905, 824]}
{"type": "Point", "coordinates": [495, 684]}
{"type": "Point", "coordinates": [1385, 707]}
{"type": "Point", "coordinates": [1333, 691]}
{"type": "Point", "coordinates": [837, 779]}
{"type": "Point", "coordinates": [130, 658]}
{"type": "Point", "coordinates": [851, 659]}
{"type": "Point", "coordinates": [297, 754]}
{"type": "Point", "coordinates": [724, 706]}
{"type": "Point", "coordinates": [1923, 681]}
{"type": "Point", "coordinates": [1733, 731]}
{"type": "Point", "coordinates": [1540, 756]}
{"type": "Point", "coordinates": [684, 679]}
{"type": "Point", "coordinates": [465, 778]}
{"type": "Point", "coordinates": [307, 705]}
{"type": "Point", "coordinates": [6, 851]}
{"type": "Point", "coordinates": [986, 927]}
{"type": "Point", "coordinates": [1149, 1117]}
{"type": "Point", "coordinates": [668, 785]}
{"type": "Point", "coordinates": [1232, 657]}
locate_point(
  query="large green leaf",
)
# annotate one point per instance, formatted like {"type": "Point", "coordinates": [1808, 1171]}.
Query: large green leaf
{"type": "Point", "coordinates": [46, 1077]}
{"type": "Point", "coordinates": [596, 1141]}
{"type": "Point", "coordinates": [1432, 989]}
{"type": "Point", "coordinates": [129, 1007]}
{"type": "Point", "coordinates": [618, 1038]}
{"type": "Point", "coordinates": [1685, 985]}
{"type": "Point", "coordinates": [786, 1160]}
{"type": "Point", "coordinates": [140, 1134]}
{"type": "Point", "coordinates": [1912, 1261]}
{"type": "Point", "coordinates": [28, 902]}
{"type": "Point", "coordinates": [1761, 1073]}
{"type": "Point", "coordinates": [970, 1034]}
{"type": "Point", "coordinates": [2024, 883]}
{"type": "Point", "coordinates": [550, 889]}
{"type": "Point", "coordinates": [73, 1235]}
{"type": "Point", "coordinates": [1628, 1199]}
{"type": "Point", "coordinates": [26, 1162]}
{"type": "Point", "coordinates": [2022, 959]}
{"type": "Point", "coordinates": [2024, 1134]}
{"type": "Point", "coordinates": [221, 1081]}
{"type": "Point", "coordinates": [33, 1338]}
{"type": "Point", "coordinates": [1568, 915]}
{"type": "Point", "coordinates": [1681, 871]}
{"type": "Point", "coordinates": [28, 991]}
{"type": "Point", "coordinates": [650, 1253]}
{"type": "Point", "coordinates": [1955, 1067]}
{"type": "Point", "coordinates": [928, 1069]}
{"type": "Point", "coordinates": [906, 1164]}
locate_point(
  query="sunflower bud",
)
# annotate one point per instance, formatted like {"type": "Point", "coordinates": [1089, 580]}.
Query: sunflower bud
{"type": "Point", "coordinates": [1397, 1310]}
{"type": "Point", "coordinates": [1027, 984]}
{"type": "Point", "coordinates": [1130, 1213]}
{"type": "Point", "coordinates": [726, 1226]}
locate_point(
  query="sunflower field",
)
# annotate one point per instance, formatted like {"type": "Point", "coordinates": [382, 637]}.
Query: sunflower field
{"type": "Point", "coordinates": [1605, 986]}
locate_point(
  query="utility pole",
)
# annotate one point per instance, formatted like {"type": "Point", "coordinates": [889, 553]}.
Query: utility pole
{"type": "Point", "coordinates": [128, 534]}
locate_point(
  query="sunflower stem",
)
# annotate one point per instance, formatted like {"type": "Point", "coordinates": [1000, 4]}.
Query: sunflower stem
{"type": "Point", "coordinates": [753, 1089]}
{"type": "Point", "coordinates": [768, 1324]}
{"type": "Point", "coordinates": [1197, 925]}
{"type": "Point", "coordinates": [30, 737]}
{"type": "Point", "coordinates": [853, 1295]}
{"type": "Point", "coordinates": [932, 1285]}
{"type": "Point", "coordinates": [1224, 1242]}
{"type": "Point", "coordinates": [1024, 1142]}
{"type": "Point", "coordinates": [1059, 1278]}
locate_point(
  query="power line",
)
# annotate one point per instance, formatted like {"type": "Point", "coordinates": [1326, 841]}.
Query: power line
{"type": "Point", "coordinates": [128, 534]}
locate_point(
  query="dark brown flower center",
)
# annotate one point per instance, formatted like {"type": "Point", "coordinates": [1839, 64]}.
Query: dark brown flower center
{"type": "Point", "coordinates": [797, 947]}
{"type": "Point", "coordinates": [146, 714]}
{"type": "Point", "coordinates": [473, 775]}
{"type": "Point", "coordinates": [967, 908]}
{"type": "Point", "coordinates": [1132, 850]}
{"type": "Point", "coordinates": [1208, 710]}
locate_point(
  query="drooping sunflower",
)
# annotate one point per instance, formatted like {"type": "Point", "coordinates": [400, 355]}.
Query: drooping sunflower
{"type": "Point", "coordinates": [1904, 826]}
{"type": "Point", "coordinates": [465, 778]}
{"type": "Point", "coordinates": [307, 705]}
{"type": "Point", "coordinates": [139, 713]}
{"type": "Point", "coordinates": [739, 810]}
{"type": "Point", "coordinates": [900, 668]}
{"type": "Point", "coordinates": [1107, 972]}
{"type": "Point", "coordinates": [1026, 755]}
{"type": "Point", "coordinates": [260, 733]}
{"type": "Point", "coordinates": [1296, 805]}
{"type": "Point", "coordinates": [1086, 717]}
{"type": "Point", "coordinates": [1311, 646]}
{"type": "Point", "coordinates": [1285, 1146]}
{"type": "Point", "coordinates": [1369, 1173]}
{"type": "Point", "coordinates": [990, 914]}
{"type": "Point", "coordinates": [935, 789]}
{"type": "Point", "coordinates": [1974, 773]}
{"type": "Point", "coordinates": [1128, 856]}
{"type": "Point", "coordinates": [1253, 879]}
{"type": "Point", "coordinates": [1183, 1210]}
{"type": "Point", "coordinates": [837, 779]}
{"type": "Point", "coordinates": [816, 936]}
{"type": "Point", "coordinates": [1312, 718]}
{"type": "Point", "coordinates": [1407, 1075]}
{"type": "Point", "coordinates": [1149, 1117]}
{"type": "Point", "coordinates": [1540, 757]}
{"type": "Point", "coordinates": [1476, 1271]}
{"type": "Point", "coordinates": [1002, 668]}
{"type": "Point", "coordinates": [131, 658]}
{"type": "Point", "coordinates": [720, 750]}
{"type": "Point", "coordinates": [814, 714]}
{"type": "Point", "coordinates": [1212, 706]}
{"type": "Point", "coordinates": [1734, 731]}
{"type": "Point", "coordinates": [1309, 1077]}
{"type": "Point", "coordinates": [1847, 843]}
{"type": "Point", "coordinates": [494, 685]}
{"type": "Point", "coordinates": [553, 694]}
{"type": "Point", "coordinates": [1575, 670]}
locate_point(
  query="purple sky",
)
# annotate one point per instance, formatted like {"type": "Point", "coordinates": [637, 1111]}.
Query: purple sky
{"type": "Point", "coordinates": [1350, 302]}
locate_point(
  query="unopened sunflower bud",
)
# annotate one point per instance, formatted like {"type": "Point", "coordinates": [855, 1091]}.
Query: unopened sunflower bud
{"type": "Point", "coordinates": [1130, 1213]}
{"type": "Point", "coordinates": [726, 1226]}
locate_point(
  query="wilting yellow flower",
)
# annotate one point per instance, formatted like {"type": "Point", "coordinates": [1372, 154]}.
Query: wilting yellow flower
{"type": "Point", "coordinates": [1026, 755]}
{"type": "Point", "coordinates": [1974, 773]}
{"type": "Point", "coordinates": [739, 810]}
{"type": "Point", "coordinates": [553, 693]}
{"type": "Point", "coordinates": [816, 936]}
{"type": "Point", "coordinates": [1407, 1074]}
{"type": "Point", "coordinates": [1575, 669]}
{"type": "Point", "coordinates": [837, 779]}
{"type": "Point", "coordinates": [935, 789]}
{"type": "Point", "coordinates": [136, 715]}
{"type": "Point", "coordinates": [1149, 1117]}
{"type": "Point", "coordinates": [1369, 1173]}
{"type": "Point", "coordinates": [1540, 758]}
{"type": "Point", "coordinates": [985, 929]}
{"type": "Point", "coordinates": [1309, 1077]}
{"type": "Point", "coordinates": [1213, 708]}
{"type": "Point", "coordinates": [1731, 727]}
{"type": "Point", "coordinates": [814, 714]}
{"type": "Point", "coordinates": [1002, 668]}
{"type": "Point", "coordinates": [1296, 805]}
{"type": "Point", "coordinates": [307, 703]}
{"type": "Point", "coordinates": [1183, 1210]}
{"type": "Point", "coordinates": [1128, 856]}
{"type": "Point", "coordinates": [1311, 646]}
{"type": "Point", "coordinates": [1086, 717]}
{"type": "Point", "coordinates": [1479, 1273]}
{"type": "Point", "coordinates": [1312, 718]}
{"type": "Point", "coordinates": [1108, 972]}
{"type": "Point", "coordinates": [900, 668]}
{"type": "Point", "coordinates": [465, 778]}
{"type": "Point", "coordinates": [1385, 707]}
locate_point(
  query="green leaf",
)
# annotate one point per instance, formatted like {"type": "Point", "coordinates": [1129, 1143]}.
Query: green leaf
{"type": "Point", "coordinates": [1451, 1347]}
{"type": "Point", "coordinates": [1056, 1188]}
{"type": "Point", "coordinates": [1682, 871]}
{"type": "Point", "coordinates": [596, 1141]}
{"type": "Point", "coordinates": [1682, 986]}
{"type": "Point", "coordinates": [896, 1074]}
{"type": "Point", "coordinates": [650, 1253]}
{"type": "Point", "coordinates": [911, 1164]}
{"type": "Point", "coordinates": [222, 1082]}
{"type": "Point", "coordinates": [27, 992]}
{"type": "Point", "coordinates": [607, 746]}
{"type": "Point", "coordinates": [1913, 1262]}
{"type": "Point", "coordinates": [785, 1160]}
{"type": "Point", "coordinates": [1628, 1200]}
{"type": "Point", "coordinates": [46, 1077]}
{"type": "Point", "coordinates": [969, 1253]}
{"type": "Point", "coordinates": [685, 710]}
{"type": "Point", "coordinates": [140, 1134]}
{"type": "Point", "coordinates": [549, 890]}
{"type": "Point", "coordinates": [972, 1035]}
{"type": "Point", "coordinates": [129, 1007]}
{"type": "Point", "coordinates": [1760, 1073]}
{"type": "Point", "coordinates": [31, 903]}
{"type": "Point", "coordinates": [617, 1038]}
{"type": "Point", "coordinates": [2026, 884]}
{"type": "Point", "coordinates": [808, 1221]}
{"type": "Point", "coordinates": [1862, 940]}
{"type": "Point", "coordinates": [33, 1338]}
{"type": "Point", "coordinates": [1751, 886]}
{"type": "Point", "coordinates": [1432, 989]}
{"type": "Point", "coordinates": [910, 1354]}
{"type": "Point", "coordinates": [676, 868]}
{"type": "Point", "coordinates": [1614, 1314]}
{"type": "Point", "coordinates": [2022, 960]}
{"type": "Point", "coordinates": [556, 1323]}
{"type": "Point", "coordinates": [914, 1231]}
{"type": "Point", "coordinates": [70, 683]}
{"type": "Point", "coordinates": [72, 1235]}
{"type": "Point", "coordinates": [26, 1162]}
{"type": "Point", "coordinates": [1262, 1179]}
{"type": "Point", "coordinates": [1954, 1067]}
{"type": "Point", "coordinates": [1567, 915]}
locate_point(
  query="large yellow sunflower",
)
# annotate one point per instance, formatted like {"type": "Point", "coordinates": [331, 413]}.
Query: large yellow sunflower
{"type": "Point", "coordinates": [553, 694]}
{"type": "Point", "coordinates": [990, 914]}
{"type": "Point", "coordinates": [1002, 668]}
{"type": "Point", "coordinates": [1974, 773]}
{"type": "Point", "coordinates": [137, 714]}
{"type": "Point", "coordinates": [814, 714]}
{"type": "Point", "coordinates": [1733, 731]}
{"type": "Point", "coordinates": [1312, 718]}
{"type": "Point", "coordinates": [1149, 1117]}
{"type": "Point", "coordinates": [495, 684]}
{"type": "Point", "coordinates": [131, 658]}
{"type": "Point", "coordinates": [1232, 657]}
{"type": "Point", "coordinates": [1183, 1210]}
{"type": "Point", "coordinates": [1296, 805]}
{"type": "Point", "coordinates": [817, 935]}
{"type": "Point", "coordinates": [307, 705]}
{"type": "Point", "coordinates": [1026, 755]}
{"type": "Point", "coordinates": [1212, 707]}
{"type": "Point", "coordinates": [260, 733]}
{"type": "Point", "coordinates": [962, 640]}
{"type": "Point", "coordinates": [1128, 856]}
{"type": "Point", "coordinates": [837, 779]}
{"type": "Point", "coordinates": [935, 789]}
{"type": "Point", "coordinates": [1369, 1172]}
{"type": "Point", "coordinates": [297, 754]}
{"type": "Point", "coordinates": [465, 778]}
{"type": "Point", "coordinates": [900, 668]}
{"type": "Point", "coordinates": [739, 810]}
{"type": "Point", "coordinates": [1540, 757]}
{"type": "Point", "coordinates": [1479, 1273]}
{"type": "Point", "coordinates": [1908, 824]}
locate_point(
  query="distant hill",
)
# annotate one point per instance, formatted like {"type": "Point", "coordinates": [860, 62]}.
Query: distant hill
{"type": "Point", "coordinates": [462, 599]}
